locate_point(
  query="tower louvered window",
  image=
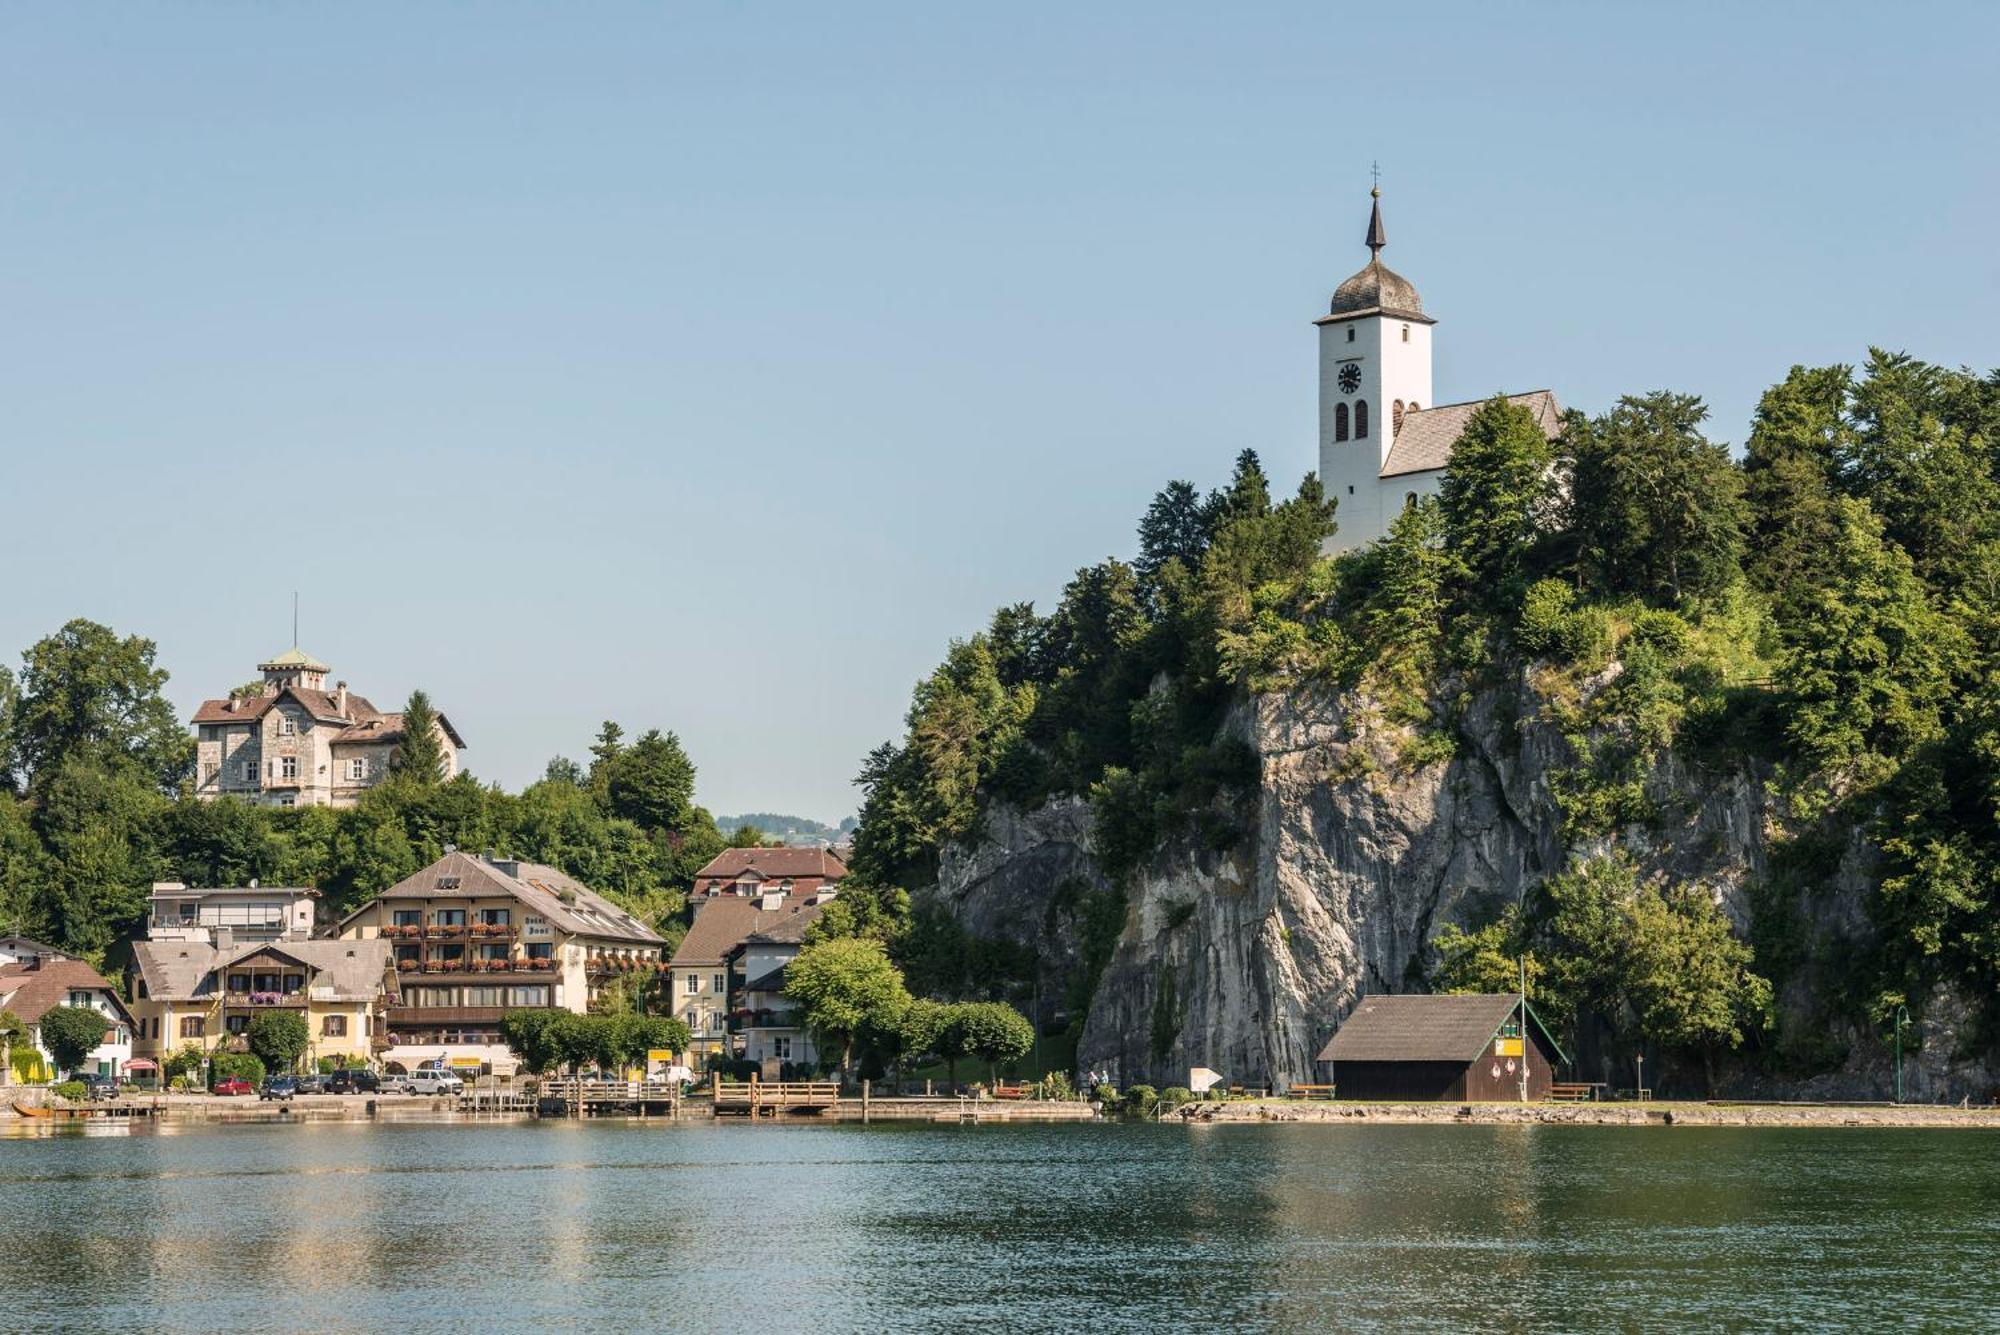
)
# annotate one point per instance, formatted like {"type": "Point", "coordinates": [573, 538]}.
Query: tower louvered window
{"type": "Point", "coordinates": [1340, 421]}
{"type": "Point", "coordinates": [1361, 419]}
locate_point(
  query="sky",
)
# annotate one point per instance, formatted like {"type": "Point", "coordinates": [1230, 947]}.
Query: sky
{"type": "Point", "coordinates": [709, 367]}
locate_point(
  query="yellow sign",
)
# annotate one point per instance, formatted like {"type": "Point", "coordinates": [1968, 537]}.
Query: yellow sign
{"type": "Point", "coordinates": [1506, 1047]}
{"type": "Point", "coordinates": [662, 1055]}
{"type": "Point", "coordinates": [466, 1063]}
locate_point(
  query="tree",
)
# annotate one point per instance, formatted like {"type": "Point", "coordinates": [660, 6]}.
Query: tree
{"type": "Point", "coordinates": [1494, 499]}
{"type": "Point", "coordinates": [1689, 979]}
{"type": "Point", "coordinates": [844, 987]}
{"type": "Point", "coordinates": [531, 1036]}
{"type": "Point", "coordinates": [1792, 473]}
{"type": "Point", "coordinates": [72, 1033]}
{"type": "Point", "coordinates": [12, 1031]}
{"type": "Point", "coordinates": [419, 757]}
{"type": "Point", "coordinates": [1486, 960]}
{"type": "Point", "coordinates": [992, 1031]}
{"type": "Point", "coordinates": [651, 783]}
{"type": "Point", "coordinates": [1655, 508]}
{"type": "Point", "coordinates": [920, 1032]}
{"type": "Point", "coordinates": [279, 1038]}
{"type": "Point", "coordinates": [1174, 528]}
{"type": "Point", "coordinates": [1868, 666]}
{"type": "Point", "coordinates": [97, 829]}
{"type": "Point", "coordinates": [87, 695]}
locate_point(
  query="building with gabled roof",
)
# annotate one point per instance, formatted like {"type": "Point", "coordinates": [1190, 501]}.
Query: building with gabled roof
{"type": "Point", "coordinates": [475, 937]}
{"type": "Point", "coordinates": [188, 989]}
{"type": "Point", "coordinates": [750, 871]}
{"type": "Point", "coordinates": [707, 967]}
{"type": "Point", "coordinates": [292, 742]}
{"type": "Point", "coordinates": [1442, 1046]}
{"type": "Point", "coordinates": [33, 987]}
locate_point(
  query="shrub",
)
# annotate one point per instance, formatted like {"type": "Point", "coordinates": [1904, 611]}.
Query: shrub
{"type": "Point", "coordinates": [73, 1090]}
{"type": "Point", "coordinates": [1141, 1100]}
{"type": "Point", "coordinates": [1173, 1097]}
{"type": "Point", "coordinates": [1108, 1096]}
{"type": "Point", "coordinates": [1056, 1087]}
{"type": "Point", "coordinates": [239, 1065]}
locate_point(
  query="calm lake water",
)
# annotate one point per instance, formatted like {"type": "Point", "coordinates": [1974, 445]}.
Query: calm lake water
{"type": "Point", "coordinates": [628, 1226]}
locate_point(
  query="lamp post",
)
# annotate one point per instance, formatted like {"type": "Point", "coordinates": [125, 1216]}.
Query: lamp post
{"type": "Point", "coordinates": [1902, 1018]}
{"type": "Point", "coordinates": [1640, 1092]}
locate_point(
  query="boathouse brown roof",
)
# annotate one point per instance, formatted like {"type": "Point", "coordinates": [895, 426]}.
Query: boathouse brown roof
{"type": "Point", "coordinates": [1424, 1027]}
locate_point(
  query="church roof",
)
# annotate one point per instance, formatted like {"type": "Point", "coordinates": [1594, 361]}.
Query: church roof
{"type": "Point", "coordinates": [1377, 289]}
{"type": "Point", "coordinates": [1424, 441]}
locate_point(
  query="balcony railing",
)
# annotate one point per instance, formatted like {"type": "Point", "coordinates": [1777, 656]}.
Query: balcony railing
{"type": "Point", "coordinates": [265, 1000]}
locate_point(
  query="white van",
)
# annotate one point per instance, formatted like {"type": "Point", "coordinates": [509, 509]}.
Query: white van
{"type": "Point", "coordinates": [436, 1082]}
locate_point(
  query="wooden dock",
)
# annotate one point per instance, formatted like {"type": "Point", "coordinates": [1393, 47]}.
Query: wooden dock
{"type": "Point", "coordinates": [779, 1098]}
{"type": "Point", "coordinates": [601, 1098]}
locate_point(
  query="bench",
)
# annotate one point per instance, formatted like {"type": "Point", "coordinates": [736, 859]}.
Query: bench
{"type": "Point", "coordinates": [1010, 1091]}
{"type": "Point", "coordinates": [1578, 1091]}
{"type": "Point", "coordinates": [1310, 1092]}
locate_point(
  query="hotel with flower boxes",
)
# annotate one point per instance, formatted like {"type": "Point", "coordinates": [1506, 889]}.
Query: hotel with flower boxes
{"type": "Point", "coordinates": [472, 938]}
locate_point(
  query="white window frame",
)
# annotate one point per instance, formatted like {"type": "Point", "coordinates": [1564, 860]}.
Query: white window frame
{"type": "Point", "coordinates": [247, 771]}
{"type": "Point", "coordinates": [357, 769]}
{"type": "Point", "coordinates": [288, 767]}
{"type": "Point", "coordinates": [721, 983]}
{"type": "Point", "coordinates": [287, 725]}
{"type": "Point", "coordinates": [693, 981]}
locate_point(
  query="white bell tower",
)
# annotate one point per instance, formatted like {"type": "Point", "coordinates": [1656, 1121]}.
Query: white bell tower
{"type": "Point", "coordinates": [1374, 366]}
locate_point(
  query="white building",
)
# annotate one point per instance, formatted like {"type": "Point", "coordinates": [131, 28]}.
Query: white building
{"type": "Point", "coordinates": [1383, 441]}
{"type": "Point", "coordinates": [31, 989]}
{"type": "Point", "coordinates": [230, 915]}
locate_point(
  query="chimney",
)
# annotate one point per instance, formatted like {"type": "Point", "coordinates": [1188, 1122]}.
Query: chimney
{"type": "Point", "coordinates": [340, 698]}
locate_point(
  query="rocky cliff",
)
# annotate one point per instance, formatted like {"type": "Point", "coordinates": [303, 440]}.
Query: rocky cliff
{"type": "Point", "coordinates": [1245, 961]}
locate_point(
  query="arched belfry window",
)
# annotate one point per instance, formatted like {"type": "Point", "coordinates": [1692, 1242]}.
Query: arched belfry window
{"type": "Point", "coordinates": [1340, 421]}
{"type": "Point", "coordinates": [1396, 418]}
{"type": "Point", "coordinates": [1361, 419]}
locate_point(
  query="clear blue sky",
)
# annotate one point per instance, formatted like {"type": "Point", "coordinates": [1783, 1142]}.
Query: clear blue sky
{"type": "Point", "coordinates": [709, 366]}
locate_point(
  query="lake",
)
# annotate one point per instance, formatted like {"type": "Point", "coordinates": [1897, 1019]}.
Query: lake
{"type": "Point", "coordinates": [614, 1225]}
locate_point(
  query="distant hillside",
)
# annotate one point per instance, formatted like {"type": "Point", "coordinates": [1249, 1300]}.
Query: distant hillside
{"type": "Point", "coordinates": [801, 830]}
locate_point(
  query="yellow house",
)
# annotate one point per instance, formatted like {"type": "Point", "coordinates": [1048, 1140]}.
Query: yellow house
{"type": "Point", "coordinates": [475, 937]}
{"type": "Point", "coordinates": [195, 992]}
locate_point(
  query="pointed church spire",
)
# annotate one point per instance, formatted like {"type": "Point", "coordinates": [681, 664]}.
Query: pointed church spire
{"type": "Point", "coordinates": [1376, 239]}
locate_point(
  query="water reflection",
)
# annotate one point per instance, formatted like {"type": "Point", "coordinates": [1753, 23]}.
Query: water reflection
{"type": "Point", "coordinates": [426, 1227]}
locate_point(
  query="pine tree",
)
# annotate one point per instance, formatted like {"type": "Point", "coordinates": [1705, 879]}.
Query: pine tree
{"type": "Point", "coordinates": [420, 757]}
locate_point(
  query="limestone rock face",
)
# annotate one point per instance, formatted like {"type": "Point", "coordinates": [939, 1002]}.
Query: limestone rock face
{"type": "Point", "coordinates": [1245, 961]}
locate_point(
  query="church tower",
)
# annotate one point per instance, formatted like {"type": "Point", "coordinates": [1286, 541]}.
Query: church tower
{"type": "Point", "coordinates": [1374, 367]}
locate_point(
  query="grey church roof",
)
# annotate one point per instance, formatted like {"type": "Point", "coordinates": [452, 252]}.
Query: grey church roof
{"type": "Point", "coordinates": [1377, 289]}
{"type": "Point", "coordinates": [1424, 441]}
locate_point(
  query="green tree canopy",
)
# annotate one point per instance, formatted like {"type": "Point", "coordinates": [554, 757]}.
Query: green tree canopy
{"type": "Point", "coordinates": [844, 987]}
{"type": "Point", "coordinates": [279, 1038]}
{"type": "Point", "coordinates": [86, 695]}
{"type": "Point", "coordinates": [1655, 508]}
{"type": "Point", "coordinates": [991, 1031]}
{"type": "Point", "coordinates": [72, 1033]}
{"type": "Point", "coordinates": [1494, 500]}
{"type": "Point", "coordinates": [419, 757]}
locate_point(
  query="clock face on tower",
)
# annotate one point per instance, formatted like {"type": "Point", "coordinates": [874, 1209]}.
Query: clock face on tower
{"type": "Point", "coordinates": [1350, 378]}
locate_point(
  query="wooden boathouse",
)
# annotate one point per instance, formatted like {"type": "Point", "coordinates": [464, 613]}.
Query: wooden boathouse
{"type": "Point", "coordinates": [1442, 1047]}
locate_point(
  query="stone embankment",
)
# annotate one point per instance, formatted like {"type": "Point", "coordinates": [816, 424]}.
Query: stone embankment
{"type": "Point", "coordinates": [1595, 1114]}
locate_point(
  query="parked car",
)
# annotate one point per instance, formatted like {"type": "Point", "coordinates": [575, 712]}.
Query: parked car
{"type": "Point", "coordinates": [235, 1084]}
{"type": "Point", "coordinates": [312, 1084]}
{"type": "Point", "coordinates": [395, 1084]}
{"type": "Point", "coordinates": [279, 1087]}
{"type": "Point", "coordinates": [353, 1082]}
{"type": "Point", "coordinates": [436, 1082]}
{"type": "Point", "coordinates": [99, 1086]}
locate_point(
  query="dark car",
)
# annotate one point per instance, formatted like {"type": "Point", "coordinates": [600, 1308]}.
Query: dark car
{"type": "Point", "coordinates": [279, 1087]}
{"type": "Point", "coordinates": [99, 1086]}
{"type": "Point", "coordinates": [311, 1084]}
{"type": "Point", "coordinates": [353, 1082]}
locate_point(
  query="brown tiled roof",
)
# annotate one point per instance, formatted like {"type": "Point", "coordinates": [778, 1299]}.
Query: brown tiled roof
{"type": "Point", "coordinates": [1424, 442]}
{"type": "Point", "coordinates": [725, 922]}
{"type": "Point", "coordinates": [773, 862]}
{"type": "Point", "coordinates": [30, 992]}
{"type": "Point", "coordinates": [365, 723]}
{"type": "Point", "coordinates": [181, 970]}
{"type": "Point", "coordinates": [567, 903]}
{"type": "Point", "coordinates": [1421, 1027]}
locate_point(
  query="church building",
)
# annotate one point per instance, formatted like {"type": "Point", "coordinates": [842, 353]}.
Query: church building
{"type": "Point", "coordinates": [1383, 441]}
